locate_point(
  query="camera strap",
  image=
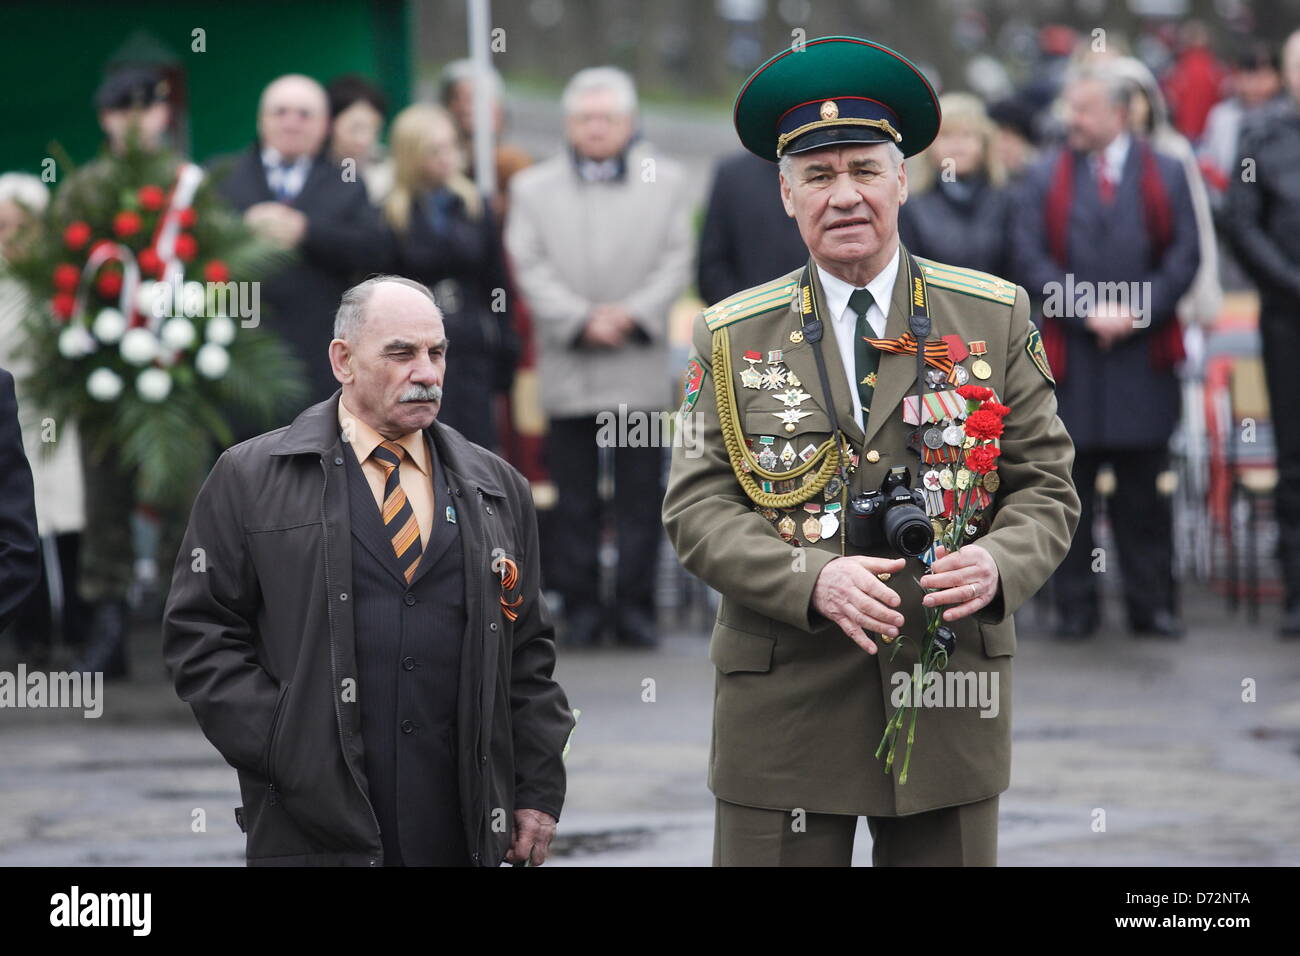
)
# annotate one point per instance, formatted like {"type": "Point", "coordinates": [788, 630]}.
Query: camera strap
{"type": "Point", "coordinates": [920, 324]}
{"type": "Point", "coordinates": [813, 330]}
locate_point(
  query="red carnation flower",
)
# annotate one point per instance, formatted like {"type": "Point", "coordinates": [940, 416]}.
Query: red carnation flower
{"type": "Point", "coordinates": [151, 263]}
{"type": "Point", "coordinates": [983, 425]}
{"type": "Point", "coordinates": [66, 277]}
{"type": "Point", "coordinates": [997, 409]}
{"type": "Point", "coordinates": [150, 198]}
{"type": "Point", "coordinates": [76, 235]}
{"type": "Point", "coordinates": [63, 304]}
{"type": "Point", "coordinates": [109, 284]}
{"type": "Point", "coordinates": [976, 393]}
{"type": "Point", "coordinates": [187, 218]}
{"type": "Point", "coordinates": [126, 223]}
{"type": "Point", "coordinates": [982, 458]}
{"type": "Point", "coordinates": [216, 271]}
{"type": "Point", "coordinates": [186, 247]}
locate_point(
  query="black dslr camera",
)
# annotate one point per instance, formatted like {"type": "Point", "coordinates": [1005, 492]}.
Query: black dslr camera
{"type": "Point", "coordinates": [892, 517]}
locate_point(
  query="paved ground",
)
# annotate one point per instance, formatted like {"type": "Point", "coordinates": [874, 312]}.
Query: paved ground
{"type": "Point", "coordinates": [1153, 732]}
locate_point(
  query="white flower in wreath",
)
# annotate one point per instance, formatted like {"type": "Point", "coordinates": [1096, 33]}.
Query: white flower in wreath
{"type": "Point", "coordinates": [104, 385]}
{"type": "Point", "coordinates": [153, 384]}
{"type": "Point", "coordinates": [109, 325]}
{"type": "Point", "coordinates": [193, 299]}
{"type": "Point", "coordinates": [220, 330]}
{"type": "Point", "coordinates": [146, 293]}
{"type": "Point", "coordinates": [212, 361]}
{"type": "Point", "coordinates": [139, 346]}
{"type": "Point", "coordinates": [178, 333]}
{"type": "Point", "coordinates": [75, 342]}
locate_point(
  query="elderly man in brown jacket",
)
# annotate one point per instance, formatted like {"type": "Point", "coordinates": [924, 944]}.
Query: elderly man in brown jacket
{"type": "Point", "coordinates": [601, 246]}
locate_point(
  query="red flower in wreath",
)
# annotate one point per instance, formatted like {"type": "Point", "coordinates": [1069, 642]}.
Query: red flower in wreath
{"type": "Point", "coordinates": [187, 218]}
{"type": "Point", "coordinates": [126, 223]}
{"type": "Point", "coordinates": [976, 393]}
{"type": "Point", "coordinates": [150, 198]}
{"type": "Point", "coordinates": [186, 247]}
{"type": "Point", "coordinates": [66, 277]}
{"type": "Point", "coordinates": [109, 284]}
{"type": "Point", "coordinates": [151, 263]}
{"type": "Point", "coordinates": [76, 235]}
{"type": "Point", "coordinates": [983, 425]}
{"type": "Point", "coordinates": [982, 458]}
{"type": "Point", "coordinates": [62, 305]}
{"type": "Point", "coordinates": [216, 271]}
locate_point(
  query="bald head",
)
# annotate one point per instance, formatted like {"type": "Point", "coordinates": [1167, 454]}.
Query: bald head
{"type": "Point", "coordinates": [1291, 65]}
{"type": "Point", "coordinates": [293, 116]}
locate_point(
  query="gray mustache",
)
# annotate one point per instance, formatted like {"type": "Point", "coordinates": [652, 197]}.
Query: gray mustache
{"type": "Point", "coordinates": [422, 393]}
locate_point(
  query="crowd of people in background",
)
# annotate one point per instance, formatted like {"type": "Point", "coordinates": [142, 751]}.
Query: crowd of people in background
{"type": "Point", "coordinates": [1098, 168]}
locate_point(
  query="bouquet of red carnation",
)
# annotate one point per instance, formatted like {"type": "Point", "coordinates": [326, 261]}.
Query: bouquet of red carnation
{"type": "Point", "coordinates": [976, 475]}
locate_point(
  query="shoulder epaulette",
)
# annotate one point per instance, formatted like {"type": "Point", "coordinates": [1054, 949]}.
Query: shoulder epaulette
{"type": "Point", "coordinates": [982, 285]}
{"type": "Point", "coordinates": [755, 301]}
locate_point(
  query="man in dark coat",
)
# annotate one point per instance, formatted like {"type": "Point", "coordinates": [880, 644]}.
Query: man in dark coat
{"type": "Point", "coordinates": [20, 552]}
{"type": "Point", "coordinates": [1104, 234]}
{"type": "Point", "coordinates": [747, 238]}
{"type": "Point", "coordinates": [356, 620]}
{"type": "Point", "coordinates": [292, 193]}
{"type": "Point", "coordinates": [1262, 221]}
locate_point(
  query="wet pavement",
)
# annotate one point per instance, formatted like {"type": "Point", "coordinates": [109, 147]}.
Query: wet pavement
{"type": "Point", "coordinates": [1153, 732]}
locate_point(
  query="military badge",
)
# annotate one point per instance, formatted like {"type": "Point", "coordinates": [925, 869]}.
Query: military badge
{"type": "Point", "coordinates": [694, 382]}
{"type": "Point", "coordinates": [1034, 346]}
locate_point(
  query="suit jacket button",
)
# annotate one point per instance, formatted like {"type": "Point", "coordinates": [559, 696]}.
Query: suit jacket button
{"type": "Point", "coordinates": [408, 727]}
{"type": "Point", "coordinates": [873, 456]}
{"type": "Point", "coordinates": [409, 599]}
{"type": "Point", "coordinates": [408, 663]}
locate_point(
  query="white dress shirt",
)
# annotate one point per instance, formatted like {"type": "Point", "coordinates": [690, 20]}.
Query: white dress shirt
{"type": "Point", "coordinates": [844, 320]}
{"type": "Point", "coordinates": [290, 178]}
{"type": "Point", "coordinates": [1112, 158]}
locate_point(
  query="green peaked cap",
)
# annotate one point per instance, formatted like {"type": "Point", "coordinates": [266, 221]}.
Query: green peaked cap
{"type": "Point", "coordinates": [832, 91]}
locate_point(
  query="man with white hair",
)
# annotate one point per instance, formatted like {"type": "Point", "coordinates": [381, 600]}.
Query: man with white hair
{"type": "Point", "coordinates": [293, 194]}
{"type": "Point", "coordinates": [600, 241]}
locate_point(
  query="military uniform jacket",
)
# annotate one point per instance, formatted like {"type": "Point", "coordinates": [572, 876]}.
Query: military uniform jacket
{"type": "Point", "coordinates": [799, 708]}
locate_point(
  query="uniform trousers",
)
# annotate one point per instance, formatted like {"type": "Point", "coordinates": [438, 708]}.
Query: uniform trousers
{"type": "Point", "coordinates": [964, 835]}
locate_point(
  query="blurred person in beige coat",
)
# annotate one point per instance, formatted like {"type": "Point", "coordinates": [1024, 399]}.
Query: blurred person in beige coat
{"type": "Point", "coordinates": [51, 446]}
{"type": "Point", "coordinates": [601, 246]}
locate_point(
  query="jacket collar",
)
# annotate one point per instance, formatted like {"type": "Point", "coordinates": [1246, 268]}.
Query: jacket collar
{"type": "Point", "coordinates": [316, 432]}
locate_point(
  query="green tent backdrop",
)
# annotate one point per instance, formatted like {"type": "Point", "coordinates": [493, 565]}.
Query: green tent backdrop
{"type": "Point", "coordinates": [55, 54]}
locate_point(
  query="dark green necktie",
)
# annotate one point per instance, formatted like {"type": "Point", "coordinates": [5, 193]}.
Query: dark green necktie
{"type": "Point", "coordinates": [866, 357]}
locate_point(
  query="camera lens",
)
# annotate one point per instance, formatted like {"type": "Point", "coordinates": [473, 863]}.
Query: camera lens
{"type": "Point", "coordinates": [908, 530]}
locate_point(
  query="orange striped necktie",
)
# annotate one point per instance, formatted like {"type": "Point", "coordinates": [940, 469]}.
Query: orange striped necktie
{"type": "Point", "coordinates": [398, 515]}
{"type": "Point", "coordinates": [936, 352]}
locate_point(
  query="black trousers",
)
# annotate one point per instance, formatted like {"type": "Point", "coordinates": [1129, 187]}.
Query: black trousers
{"type": "Point", "coordinates": [1141, 521]}
{"type": "Point", "coordinates": [580, 516]}
{"type": "Point", "coordinates": [1280, 333]}
{"type": "Point", "coordinates": [33, 624]}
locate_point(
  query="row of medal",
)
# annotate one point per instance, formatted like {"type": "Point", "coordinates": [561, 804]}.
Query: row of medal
{"type": "Point", "coordinates": [958, 351]}
{"type": "Point", "coordinates": [820, 521]}
{"type": "Point", "coordinates": [939, 485]}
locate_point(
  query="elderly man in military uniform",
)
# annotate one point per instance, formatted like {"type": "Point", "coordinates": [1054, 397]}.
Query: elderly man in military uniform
{"type": "Point", "coordinates": [793, 425]}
